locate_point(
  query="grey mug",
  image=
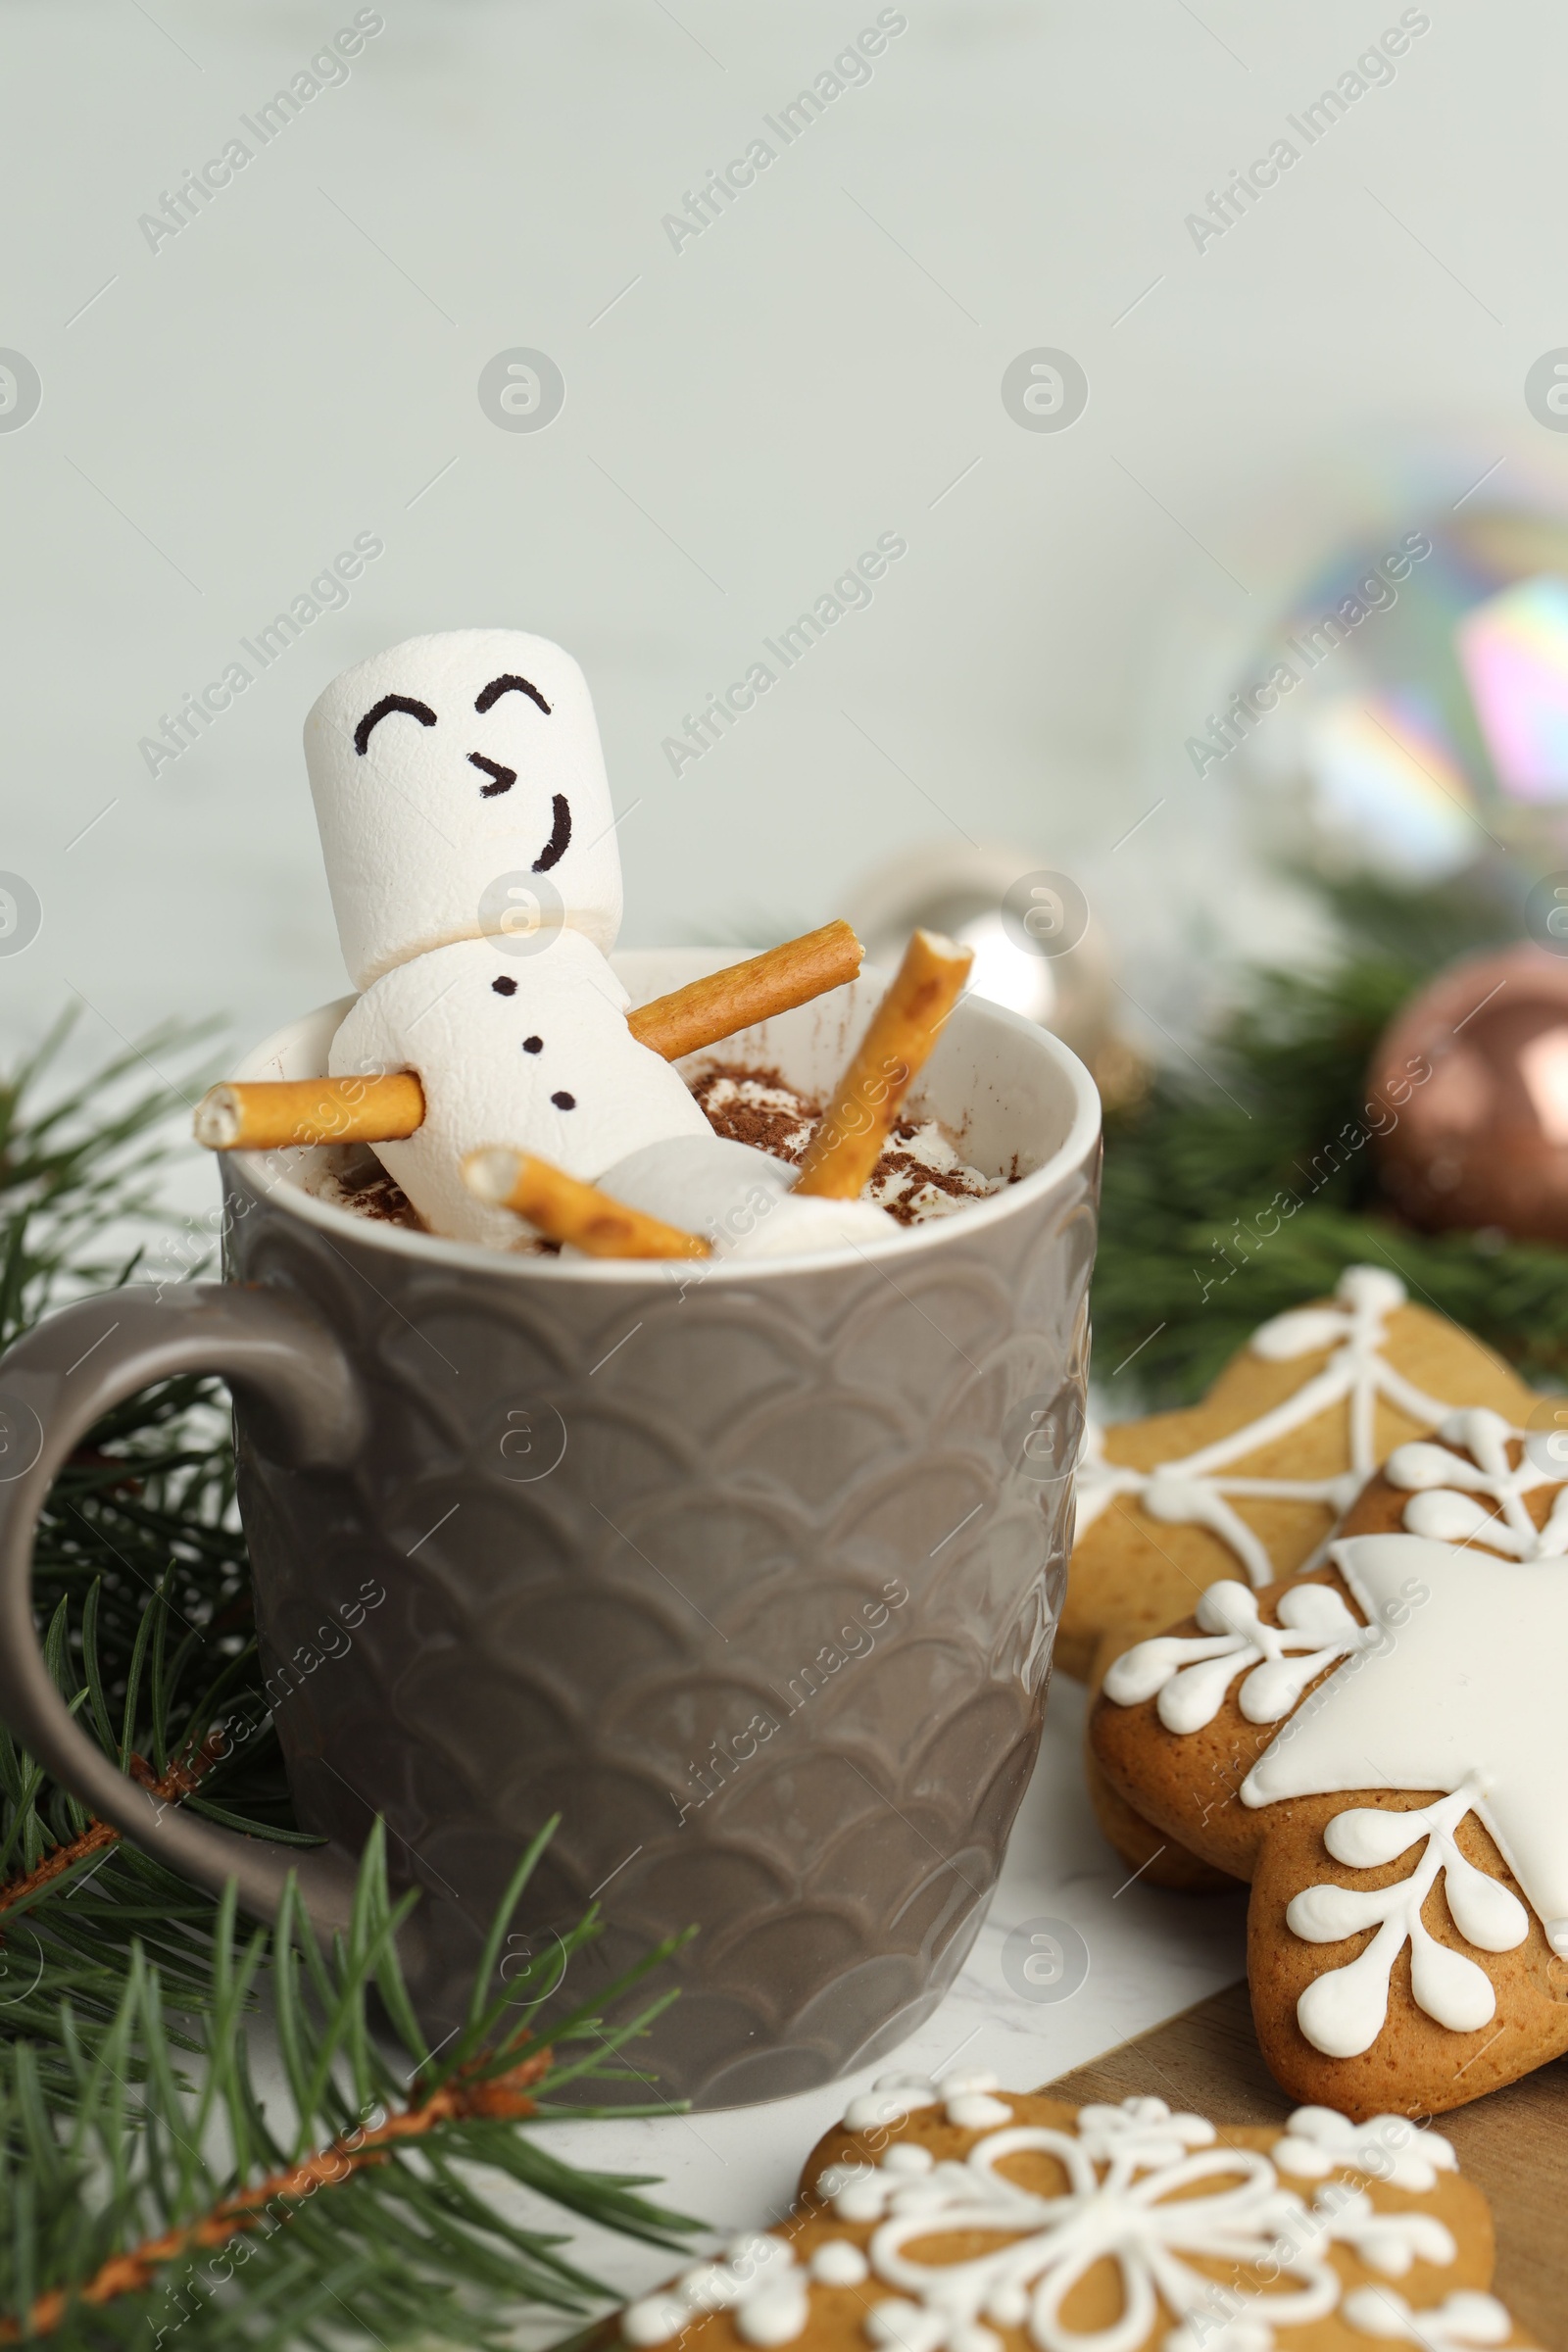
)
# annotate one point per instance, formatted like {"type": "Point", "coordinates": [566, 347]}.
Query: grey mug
{"type": "Point", "coordinates": [749, 1572]}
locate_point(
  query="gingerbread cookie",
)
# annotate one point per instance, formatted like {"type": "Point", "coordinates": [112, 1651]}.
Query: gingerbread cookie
{"type": "Point", "coordinates": [1376, 1746]}
{"type": "Point", "coordinates": [951, 2218]}
{"type": "Point", "coordinates": [1252, 1481]}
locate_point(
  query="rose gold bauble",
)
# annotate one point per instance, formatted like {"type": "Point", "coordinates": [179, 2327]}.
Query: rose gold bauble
{"type": "Point", "coordinates": [1474, 1074]}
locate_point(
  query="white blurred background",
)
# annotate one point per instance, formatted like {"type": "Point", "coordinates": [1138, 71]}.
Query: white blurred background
{"type": "Point", "coordinates": [743, 416]}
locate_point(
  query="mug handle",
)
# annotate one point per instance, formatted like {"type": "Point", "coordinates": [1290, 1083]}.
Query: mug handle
{"type": "Point", "coordinates": [303, 1409]}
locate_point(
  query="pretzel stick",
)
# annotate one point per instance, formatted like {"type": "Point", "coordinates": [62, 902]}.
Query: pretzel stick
{"type": "Point", "coordinates": [708, 1009]}
{"type": "Point", "coordinates": [563, 1210]}
{"type": "Point", "coordinates": [904, 1027]}
{"type": "Point", "coordinates": [262, 1114]}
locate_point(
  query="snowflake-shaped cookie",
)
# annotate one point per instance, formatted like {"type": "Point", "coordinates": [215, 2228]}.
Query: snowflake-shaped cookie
{"type": "Point", "coordinates": [1108, 2228]}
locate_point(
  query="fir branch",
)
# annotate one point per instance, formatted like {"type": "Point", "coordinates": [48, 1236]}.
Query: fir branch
{"type": "Point", "coordinates": [76, 1899]}
{"type": "Point", "coordinates": [142, 1569]}
{"type": "Point", "coordinates": [88, 1157]}
{"type": "Point", "coordinates": [355, 2225]}
{"type": "Point", "coordinates": [1226, 1202]}
{"type": "Point", "coordinates": [177, 1780]}
{"type": "Point", "coordinates": [500, 2098]}
{"type": "Point", "coordinates": [140, 1534]}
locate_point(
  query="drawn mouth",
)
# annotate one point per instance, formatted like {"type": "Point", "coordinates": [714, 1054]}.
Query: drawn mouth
{"type": "Point", "coordinates": [556, 847]}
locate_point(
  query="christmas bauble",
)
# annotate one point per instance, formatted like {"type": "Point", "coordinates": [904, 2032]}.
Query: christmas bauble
{"type": "Point", "coordinates": [1467, 1098]}
{"type": "Point", "coordinates": [1403, 716]}
{"type": "Point", "coordinates": [1035, 949]}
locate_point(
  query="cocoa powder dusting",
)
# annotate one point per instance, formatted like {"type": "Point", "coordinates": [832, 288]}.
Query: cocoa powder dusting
{"type": "Point", "coordinates": [784, 1131]}
{"type": "Point", "coordinates": [952, 1180]}
{"type": "Point", "coordinates": [784, 1134]}
{"type": "Point", "coordinates": [378, 1195]}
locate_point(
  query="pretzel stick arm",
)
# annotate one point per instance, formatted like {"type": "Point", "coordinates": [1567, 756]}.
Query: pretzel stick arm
{"type": "Point", "coordinates": [265, 1115]}
{"type": "Point", "coordinates": [708, 1009]}
{"type": "Point", "coordinates": [565, 1211]}
{"type": "Point", "coordinates": [904, 1027]}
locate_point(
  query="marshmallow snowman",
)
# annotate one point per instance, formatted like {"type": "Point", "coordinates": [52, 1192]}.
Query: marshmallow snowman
{"type": "Point", "coordinates": [467, 824]}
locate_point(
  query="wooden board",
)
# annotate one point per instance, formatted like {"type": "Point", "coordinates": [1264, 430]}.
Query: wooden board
{"type": "Point", "coordinates": [1513, 2143]}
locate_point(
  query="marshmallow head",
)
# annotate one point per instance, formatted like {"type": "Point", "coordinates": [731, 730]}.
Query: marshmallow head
{"type": "Point", "coordinates": [460, 790]}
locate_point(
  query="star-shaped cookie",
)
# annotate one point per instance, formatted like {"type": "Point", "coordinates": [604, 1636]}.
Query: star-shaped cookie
{"type": "Point", "coordinates": [1251, 1483]}
{"type": "Point", "coordinates": [947, 2217]}
{"type": "Point", "coordinates": [1382, 1747]}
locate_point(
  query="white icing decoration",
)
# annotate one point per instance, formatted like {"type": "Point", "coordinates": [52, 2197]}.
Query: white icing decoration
{"type": "Point", "coordinates": [854, 2200]}
{"type": "Point", "coordinates": [1143, 2130]}
{"type": "Point", "coordinates": [1192, 1672]}
{"type": "Point", "coordinates": [1302, 1329]}
{"type": "Point", "coordinates": [978, 2111]}
{"type": "Point", "coordinates": [965, 2098]}
{"type": "Point", "coordinates": [1389, 2243]}
{"type": "Point", "coordinates": [777, 2316]}
{"type": "Point", "coordinates": [1232, 2336]}
{"type": "Point", "coordinates": [889, 2100]}
{"type": "Point", "coordinates": [838, 2263]}
{"type": "Point", "coordinates": [1442, 1485]}
{"type": "Point", "coordinates": [1341, 2012]}
{"type": "Point", "coordinates": [757, 2278]}
{"type": "Point", "coordinates": [955, 2087]}
{"type": "Point", "coordinates": [655, 2320]}
{"type": "Point", "coordinates": [1453, 2326]}
{"type": "Point", "coordinates": [1193, 1491]}
{"type": "Point", "coordinates": [1318, 2142]}
{"type": "Point", "coordinates": [905, 2327]}
{"type": "Point", "coordinates": [969, 2103]}
{"type": "Point", "coordinates": [1138, 2217]}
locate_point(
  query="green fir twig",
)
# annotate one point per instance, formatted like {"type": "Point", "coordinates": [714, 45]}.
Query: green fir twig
{"type": "Point", "coordinates": [1228, 1201]}
{"type": "Point", "coordinates": [169, 2205]}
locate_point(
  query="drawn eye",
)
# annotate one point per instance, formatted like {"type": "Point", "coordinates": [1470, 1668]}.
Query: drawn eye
{"type": "Point", "coordinates": [384, 709]}
{"type": "Point", "coordinates": [508, 683]}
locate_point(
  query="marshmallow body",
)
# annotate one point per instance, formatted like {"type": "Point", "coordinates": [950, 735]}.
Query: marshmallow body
{"type": "Point", "coordinates": [738, 1199]}
{"type": "Point", "coordinates": [460, 790]}
{"type": "Point", "coordinates": [531, 1051]}
{"type": "Point", "coordinates": [470, 841]}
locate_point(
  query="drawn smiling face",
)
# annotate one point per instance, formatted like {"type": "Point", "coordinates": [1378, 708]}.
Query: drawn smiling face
{"type": "Point", "coordinates": [450, 765]}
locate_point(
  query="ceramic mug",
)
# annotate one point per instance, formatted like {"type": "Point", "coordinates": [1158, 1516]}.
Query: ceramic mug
{"type": "Point", "coordinates": [749, 1572]}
